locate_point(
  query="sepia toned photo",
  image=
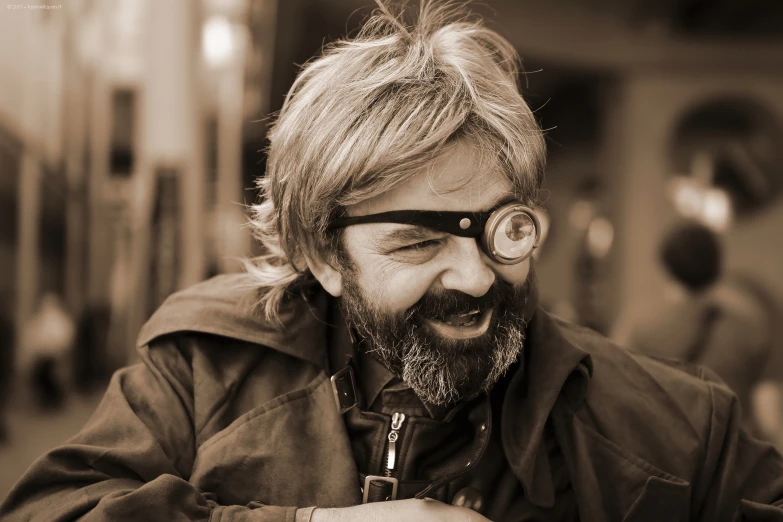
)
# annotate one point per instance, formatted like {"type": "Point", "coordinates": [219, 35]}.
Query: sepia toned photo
{"type": "Point", "coordinates": [391, 260]}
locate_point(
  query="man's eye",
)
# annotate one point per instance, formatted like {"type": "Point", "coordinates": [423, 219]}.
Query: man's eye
{"type": "Point", "coordinates": [422, 245]}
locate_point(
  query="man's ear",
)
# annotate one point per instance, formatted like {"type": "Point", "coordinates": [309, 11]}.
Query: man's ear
{"type": "Point", "coordinates": [329, 277]}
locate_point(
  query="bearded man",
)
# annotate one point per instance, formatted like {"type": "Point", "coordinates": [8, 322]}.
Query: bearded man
{"type": "Point", "coordinates": [385, 358]}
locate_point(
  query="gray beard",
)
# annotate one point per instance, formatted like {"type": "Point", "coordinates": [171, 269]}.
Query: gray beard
{"type": "Point", "coordinates": [440, 371]}
{"type": "Point", "coordinates": [441, 379]}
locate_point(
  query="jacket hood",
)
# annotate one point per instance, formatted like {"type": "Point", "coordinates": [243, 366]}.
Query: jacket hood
{"type": "Point", "coordinates": [224, 306]}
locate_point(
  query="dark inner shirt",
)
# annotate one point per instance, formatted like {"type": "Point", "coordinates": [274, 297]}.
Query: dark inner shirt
{"type": "Point", "coordinates": [435, 442]}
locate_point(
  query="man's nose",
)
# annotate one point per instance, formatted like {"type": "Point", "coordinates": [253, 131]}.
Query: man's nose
{"type": "Point", "coordinates": [469, 270]}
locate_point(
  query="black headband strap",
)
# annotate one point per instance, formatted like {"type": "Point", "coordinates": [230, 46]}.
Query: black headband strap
{"type": "Point", "coordinates": [464, 224]}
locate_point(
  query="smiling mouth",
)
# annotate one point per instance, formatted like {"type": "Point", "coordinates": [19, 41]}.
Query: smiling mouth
{"type": "Point", "coordinates": [466, 319]}
{"type": "Point", "coordinates": [462, 326]}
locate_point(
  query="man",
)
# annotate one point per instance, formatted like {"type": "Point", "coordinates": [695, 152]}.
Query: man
{"type": "Point", "coordinates": [385, 359]}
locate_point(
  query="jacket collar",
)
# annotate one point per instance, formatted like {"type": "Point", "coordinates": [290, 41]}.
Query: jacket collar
{"type": "Point", "coordinates": [373, 378]}
{"type": "Point", "coordinates": [554, 369]}
{"type": "Point", "coordinates": [225, 306]}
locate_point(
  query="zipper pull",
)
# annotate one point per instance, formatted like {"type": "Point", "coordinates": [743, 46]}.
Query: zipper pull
{"type": "Point", "coordinates": [394, 434]}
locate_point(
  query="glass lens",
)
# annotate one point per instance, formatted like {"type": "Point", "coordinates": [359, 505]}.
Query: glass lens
{"type": "Point", "coordinates": [515, 236]}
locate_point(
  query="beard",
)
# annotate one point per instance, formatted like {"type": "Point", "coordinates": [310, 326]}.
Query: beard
{"type": "Point", "coordinates": [440, 370]}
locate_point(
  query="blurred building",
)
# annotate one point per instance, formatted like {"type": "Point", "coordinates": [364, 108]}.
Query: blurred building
{"type": "Point", "coordinates": [121, 151]}
{"type": "Point", "coordinates": [131, 132]}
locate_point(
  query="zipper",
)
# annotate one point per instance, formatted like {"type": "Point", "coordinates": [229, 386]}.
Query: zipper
{"type": "Point", "coordinates": [394, 434]}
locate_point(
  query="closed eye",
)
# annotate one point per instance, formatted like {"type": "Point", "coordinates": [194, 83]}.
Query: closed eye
{"type": "Point", "coordinates": [421, 245]}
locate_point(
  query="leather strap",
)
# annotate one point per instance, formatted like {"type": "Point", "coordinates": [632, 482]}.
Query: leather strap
{"type": "Point", "coordinates": [464, 224]}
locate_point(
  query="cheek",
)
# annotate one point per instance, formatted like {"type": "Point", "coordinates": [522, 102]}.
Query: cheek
{"type": "Point", "coordinates": [514, 274]}
{"type": "Point", "coordinates": [388, 285]}
{"type": "Point", "coordinates": [393, 287]}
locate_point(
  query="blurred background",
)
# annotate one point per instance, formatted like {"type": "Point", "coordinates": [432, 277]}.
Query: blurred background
{"type": "Point", "coordinates": [131, 135]}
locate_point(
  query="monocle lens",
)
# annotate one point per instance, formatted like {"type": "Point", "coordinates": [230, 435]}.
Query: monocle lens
{"type": "Point", "coordinates": [510, 234]}
{"type": "Point", "coordinates": [516, 236]}
{"type": "Point", "coordinates": [519, 226]}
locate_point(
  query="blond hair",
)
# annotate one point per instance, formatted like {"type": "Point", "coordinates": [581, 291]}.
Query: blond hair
{"type": "Point", "coordinates": [372, 111]}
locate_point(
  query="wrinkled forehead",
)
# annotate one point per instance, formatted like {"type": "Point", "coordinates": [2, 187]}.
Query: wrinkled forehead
{"type": "Point", "coordinates": [458, 180]}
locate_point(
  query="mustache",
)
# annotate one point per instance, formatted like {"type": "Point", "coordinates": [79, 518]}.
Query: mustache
{"type": "Point", "coordinates": [443, 303]}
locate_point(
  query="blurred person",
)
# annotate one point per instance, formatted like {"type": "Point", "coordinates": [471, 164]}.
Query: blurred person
{"type": "Point", "coordinates": [46, 353]}
{"type": "Point", "coordinates": [385, 358]}
{"type": "Point", "coordinates": [768, 410]}
{"type": "Point", "coordinates": [90, 370]}
{"type": "Point", "coordinates": [707, 318]}
{"type": "Point", "coordinates": [592, 268]}
{"type": "Point", "coordinates": [6, 372]}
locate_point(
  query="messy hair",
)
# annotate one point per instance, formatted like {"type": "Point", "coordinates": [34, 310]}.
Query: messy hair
{"type": "Point", "coordinates": [370, 113]}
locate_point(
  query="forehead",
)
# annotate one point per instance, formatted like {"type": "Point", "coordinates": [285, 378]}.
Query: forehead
{"type": "Point", "coordinates": [453, 182]}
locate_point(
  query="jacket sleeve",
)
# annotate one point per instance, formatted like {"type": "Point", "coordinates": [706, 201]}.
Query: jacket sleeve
{"type": "Point", "coordinates": [133, 458]}
{"type": "Point", "coordinates": [742, 477]}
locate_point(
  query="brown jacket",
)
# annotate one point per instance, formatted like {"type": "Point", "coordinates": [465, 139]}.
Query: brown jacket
{"type": "Point", "coordinates": [230, 419]}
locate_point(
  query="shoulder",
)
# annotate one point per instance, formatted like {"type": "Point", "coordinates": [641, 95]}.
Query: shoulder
{"type": "Point", "coordinates": [223, 358]}
{"type": "Point", "coordinates": [639, 380]}
{"type": "Point", "coordinates": [221, 312]}
{"type": "Point", "coordinates": [744, 314]}
{"type": "Point", "coordinates": [662, 410]}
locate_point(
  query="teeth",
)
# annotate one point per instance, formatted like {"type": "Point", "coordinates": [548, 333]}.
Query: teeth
{"type": "Point", "coordinates": [466, 319]}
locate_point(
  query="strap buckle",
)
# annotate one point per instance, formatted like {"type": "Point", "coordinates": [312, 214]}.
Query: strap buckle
{"type": "Point", "coordinates": [378, 478]}
{"type": "Point", "coordinates": [344, 389]}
